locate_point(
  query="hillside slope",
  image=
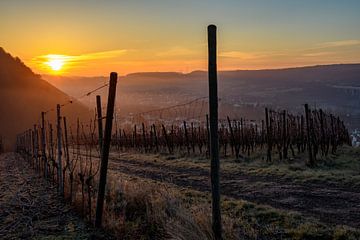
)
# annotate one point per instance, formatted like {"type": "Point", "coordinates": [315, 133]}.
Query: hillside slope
{"type": "Point", "coordinates": [23, 95]}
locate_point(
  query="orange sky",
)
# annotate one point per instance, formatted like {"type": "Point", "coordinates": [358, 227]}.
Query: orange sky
{"type": "Point", "coordinates": [94, 38]}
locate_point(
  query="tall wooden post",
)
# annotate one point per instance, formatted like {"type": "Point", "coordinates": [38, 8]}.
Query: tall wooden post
{"type": "Point", "coordinates": [43, 145]}
{"type": "Point", "coordinates": [268, 136]}
{"type": "Point", "coordinates": [36, 147]}
{"type": "Point", "coordinates": [186, 138]}
{"type": "Point", "coordinates": [144, 137]}
{"type": "Point", "coordinates": [156, 139]}
{"type": "Point", "coordinates": [100, 125]}
{"type": "Point", "coordinates": [214, 140]}
{"type": "Point", "coordinates": [308, 131]}
{"type": "Point", "coordinates": [284, 131]}
{"type": "Point", "coordinates": [59, 150]}
{"type": "Point", "coordinates": [66, 148]}
{"type": "Point", "coordinates": [105, 149]}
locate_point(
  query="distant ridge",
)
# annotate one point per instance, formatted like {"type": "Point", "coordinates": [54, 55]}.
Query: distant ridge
{"type": "Point", "coordinates": [179, 74]}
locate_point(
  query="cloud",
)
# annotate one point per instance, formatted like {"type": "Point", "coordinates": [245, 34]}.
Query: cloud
{"type": "Point", "coordinates": [66, 62]}
{"type": "Point", "coordinates": [250, 55]}
{"type": "Point", "coordinates": [176, 51]}
{"type": "Point", "coordinates": [317, 54]}
{"type": "Point", "coordinates": [81, 57]}
{"type": "Point", "coordinates": [342, 43]}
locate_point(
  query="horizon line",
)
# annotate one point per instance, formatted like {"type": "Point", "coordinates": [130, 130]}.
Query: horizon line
{"type": "Point", "coordinates": [199, 70]}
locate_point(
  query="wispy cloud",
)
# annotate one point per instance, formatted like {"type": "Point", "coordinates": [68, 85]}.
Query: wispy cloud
{"type": "Point", "coordinates": [70, 61]}
{"type": "Point", "coordinates": [176, 51]}
{"type": "Point", "coordinates": [317, 54]}
{"type": "Point", "coordinates": [250, 55]}
{"type": "Point", "coordinates": [342, 43]}
{"type": "Point", "coordinates": [81, 57]}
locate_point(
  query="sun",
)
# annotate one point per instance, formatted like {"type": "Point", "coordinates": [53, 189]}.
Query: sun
{"type": "Point", "coordinates": [55, 62]}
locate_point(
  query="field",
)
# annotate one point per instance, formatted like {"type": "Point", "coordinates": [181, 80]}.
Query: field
{"type": "Point", "coordinates": [286, 177]}
{"type": "Point", "coordinates": [282, 200]}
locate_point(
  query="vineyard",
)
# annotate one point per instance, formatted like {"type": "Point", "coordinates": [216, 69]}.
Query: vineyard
{"type": "Point", "coordinates": [279, 137]}
{"type": "Point", "coordinates": [75, 158]}
{"type": "Point", "coordinates": [280, 132]}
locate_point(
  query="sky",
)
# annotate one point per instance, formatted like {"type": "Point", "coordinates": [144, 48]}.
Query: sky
{"type": "Point", "coordinates": [93, 37]}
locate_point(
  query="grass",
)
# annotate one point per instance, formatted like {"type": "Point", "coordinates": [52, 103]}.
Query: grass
{"type": "Point", "coordinates": [144, 209]}
{"type": "Point", "coordinates": [342, 168]}
{"type": "Point", "coordinates": [141, 208]}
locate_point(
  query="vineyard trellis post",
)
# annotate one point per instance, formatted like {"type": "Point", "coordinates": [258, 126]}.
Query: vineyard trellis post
{"type": "Point", "coordinates": [106, 148]}
{"type": "Point", "coordinates": [100, 125]}
{"type": "Point", "coordinates": [268, 136]}
{"type": "Point", "coordinates": [214, 138]}
{"type": "Point", "coordinates": [59, 150]}
{"type": "Point", "coordinates": [43, 145]}
{"type": "Point", "coordinates": [308, 131]}
{"type": "Point", "coordinates": [66, 149]}
{"type": "Point", "coordinates": [36, 147]}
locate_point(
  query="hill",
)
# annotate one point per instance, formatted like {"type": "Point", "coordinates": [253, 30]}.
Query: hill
{"type": "Point", "coordinates": [335, 88]}
{"type": "Point", "coordinates": [23, 95]}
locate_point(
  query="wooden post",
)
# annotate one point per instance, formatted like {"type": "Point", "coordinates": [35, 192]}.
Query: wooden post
{"type": "Point", "coordinates": [322, 142]}
{"type": "Point", "coordinates": [100, 125]}
{"type": "Point", "coordinates": [144, 137]}
{"type": "Point", "coordinates": [307, 118]}
{"type": "Point", "coordinates": [106, 148]}
{"type": "Point", "coordinates": [284, 124]}
{"type": "Point", "coordinates": [214, 140]}
{"type": "Point", "coordinates": [268, 136]}
{"type": "Point", "coordinates": [59, 151]}
{"type": "Point", "coordinates": [36, 147]}
{"type": "Point", "coordinates": [232, 138]}
{"type": "Point", "coordinates": [166, 139]}
{"type": "Point", "coordinates": [43, 144]}
{"type": "Point", "coordinates": [186, 138]}
{"type": "Point", "coordinates": [51, 150]}
{"type": "Point", "coordinates": [66, 147]}
{"type": "Point", "coordinates": [156, 138]}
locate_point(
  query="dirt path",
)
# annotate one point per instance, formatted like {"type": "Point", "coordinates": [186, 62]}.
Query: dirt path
{"type": "Point", "coordinates": [330, 204]}
{"type": "Point", "coordinates": [30, 207]}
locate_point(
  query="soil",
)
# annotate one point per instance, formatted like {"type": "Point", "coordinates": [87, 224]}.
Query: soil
{"type": "Point", "coordinates": [30, 207]}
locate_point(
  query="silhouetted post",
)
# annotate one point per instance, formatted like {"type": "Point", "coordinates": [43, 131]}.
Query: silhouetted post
{"type": "Point", "coordinates": [144, 137]}
{"type": "Point", "coordinates": [214, 141]}
{"type": "Point", "coordinates": [322, 142]}
{"type": "Point", "coordinates": [268, 136]}
{"type": "Point", "coordinates": [166, 139]}
{"type": "Point", "coordinates": [232, 139]}
{"type": "Point", "coordinates": [285, 150]}
{"type": "Point", "coordinates": [307, 118]}
{"type": "Point", "coordinates": [43, 144]}
{"type": "Point", "coordinates": [105, 148]}
{"type": "Point", "coordinates": [36, 138]}
{"type": "Point", "coordinates": [186, 138]}
{"type": "Point", "coordinates": [32, 135]}
{"type": "Point", "coordinates": [100, 125]}
{"type": "Point", "coordinates": [66, 142]}
{"type": "Point", "coordinates": [59, 151]}
{"type": "Point", "coordinates": [156, 138]}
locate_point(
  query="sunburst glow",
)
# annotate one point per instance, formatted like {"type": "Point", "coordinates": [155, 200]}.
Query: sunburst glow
{"type": "Point", "coordinates": [56, 62]}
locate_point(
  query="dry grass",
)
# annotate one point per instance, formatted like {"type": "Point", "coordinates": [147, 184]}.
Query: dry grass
{"type": "Point", "coordinates": [138, 208]}
{"type": "Point", "coordinates": [143, 210]}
